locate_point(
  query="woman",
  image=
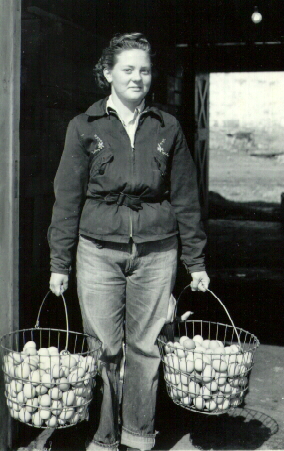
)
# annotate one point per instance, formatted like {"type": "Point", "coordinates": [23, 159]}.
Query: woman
{"type": "Point", "coordinates": [126, 185]}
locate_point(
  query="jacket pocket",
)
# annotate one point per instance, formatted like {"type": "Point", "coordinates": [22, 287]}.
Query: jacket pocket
{"type": "Point", "coordinates": [100, 164]}
{"type": "Point", "coordinates": [162, 163]}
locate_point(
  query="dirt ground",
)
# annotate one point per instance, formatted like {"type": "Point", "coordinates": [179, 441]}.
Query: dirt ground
{"type": "Point", "coordinates": [243, 172]}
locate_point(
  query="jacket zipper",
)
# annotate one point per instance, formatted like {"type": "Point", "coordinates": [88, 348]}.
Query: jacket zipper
{"type": "Point", "coordinates": [132, 156]}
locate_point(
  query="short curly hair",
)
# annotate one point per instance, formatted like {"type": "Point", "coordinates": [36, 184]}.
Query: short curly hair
{"type": "Point", "coordinates": [118, 44]}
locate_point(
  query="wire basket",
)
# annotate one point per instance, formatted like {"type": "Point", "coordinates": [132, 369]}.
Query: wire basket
{"type": "Point", "coordinates": [206, 364]}
{"type": "Point", "coordinates": [49, 374]}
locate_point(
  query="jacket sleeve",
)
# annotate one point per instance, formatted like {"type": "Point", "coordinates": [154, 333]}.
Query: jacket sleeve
{"type": "Point", "coordinates": [70, 186]}
{"type": "Point", "coordinates": [184, 200]}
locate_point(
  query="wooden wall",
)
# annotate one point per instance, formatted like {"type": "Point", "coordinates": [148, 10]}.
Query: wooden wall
{"type": "Point", "coordinates": [56, 84]}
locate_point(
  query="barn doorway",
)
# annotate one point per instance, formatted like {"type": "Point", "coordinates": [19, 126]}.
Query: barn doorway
{"type": "Point", "coordinates": [246, 137]}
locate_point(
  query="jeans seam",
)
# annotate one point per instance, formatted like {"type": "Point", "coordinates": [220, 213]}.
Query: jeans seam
{"type": "Point", "coordinates": [137, 434]}
{"type": "Point", "coordinates": [106, 445]}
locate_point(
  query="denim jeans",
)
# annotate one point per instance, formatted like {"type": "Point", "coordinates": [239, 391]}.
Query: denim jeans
{"type": "Point", "coordinates": [124, 292]}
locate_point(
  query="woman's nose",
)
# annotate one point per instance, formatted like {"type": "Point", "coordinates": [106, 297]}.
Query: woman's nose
{"type": "Point", "coordinates": [136, 76]}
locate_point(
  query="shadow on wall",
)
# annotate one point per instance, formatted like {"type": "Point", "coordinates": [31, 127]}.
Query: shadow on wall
{"type": "Point", "coordinates": [222, 208]}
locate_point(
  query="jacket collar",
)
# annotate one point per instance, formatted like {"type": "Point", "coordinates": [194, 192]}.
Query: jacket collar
{"type": "Point", "coordinates": [99, 109]}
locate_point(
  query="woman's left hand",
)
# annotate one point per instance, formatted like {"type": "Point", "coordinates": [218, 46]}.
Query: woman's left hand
{"type": "Point", "coordinates": [200, 281]}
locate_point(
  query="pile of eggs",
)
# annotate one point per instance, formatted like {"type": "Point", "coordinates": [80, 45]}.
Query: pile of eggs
{"type": "Point", "coordinates": [206, 375]}
{"type": "Point", "coordinates": [48, 388]}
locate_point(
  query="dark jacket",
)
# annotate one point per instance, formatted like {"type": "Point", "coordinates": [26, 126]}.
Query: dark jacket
{"type": "Point", "coordinates": [106, 190]}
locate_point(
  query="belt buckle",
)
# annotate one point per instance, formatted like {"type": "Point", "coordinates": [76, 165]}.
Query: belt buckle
{"type": "Point", "coordinates": [120, 199]}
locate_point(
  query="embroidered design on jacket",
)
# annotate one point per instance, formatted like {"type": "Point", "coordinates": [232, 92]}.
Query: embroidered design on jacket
{"type": "Point", "coordinates": [161, 149]}
{"type": "Point", "coordinates": [99, 144]}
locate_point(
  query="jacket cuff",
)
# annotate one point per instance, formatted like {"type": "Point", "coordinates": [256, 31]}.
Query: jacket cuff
{"type": "Point", "coordinates": [65, 272]}
{"type": "Point", "coordinates": [194, 268]}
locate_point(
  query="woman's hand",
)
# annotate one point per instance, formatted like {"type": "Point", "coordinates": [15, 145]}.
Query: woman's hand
{"type": "Point", "coordinates": [58, 283]}
{"type": "Point", "coordinates": [200, 281]}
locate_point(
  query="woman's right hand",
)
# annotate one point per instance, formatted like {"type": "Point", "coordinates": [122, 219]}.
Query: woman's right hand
{"type": "Point", "coordinates": [58, 283]}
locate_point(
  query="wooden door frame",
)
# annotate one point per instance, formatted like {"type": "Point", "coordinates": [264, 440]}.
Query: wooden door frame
{"type": "Point", "coordinates": [10, 57]}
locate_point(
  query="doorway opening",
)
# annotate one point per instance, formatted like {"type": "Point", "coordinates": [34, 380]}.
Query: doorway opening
{"type": "Point", "coordinates": [246, 137]}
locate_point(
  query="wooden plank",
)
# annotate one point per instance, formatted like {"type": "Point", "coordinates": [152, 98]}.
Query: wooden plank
{"type": "Point", "coordinates": [10, 41]}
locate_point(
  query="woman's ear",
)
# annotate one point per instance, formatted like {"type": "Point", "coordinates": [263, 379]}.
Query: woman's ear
{"type": "Point", "coordinates": [107, 74]}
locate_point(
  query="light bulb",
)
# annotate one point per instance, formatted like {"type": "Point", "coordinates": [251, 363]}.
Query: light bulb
{"type": "Point", "coordinates": [256, 17]}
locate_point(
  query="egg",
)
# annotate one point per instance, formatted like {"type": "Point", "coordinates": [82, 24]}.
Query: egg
{"type": "Point", "coordinates": [186, 401]}
{"type": "Point", "coordinates": [63, 384]}
{"type": "Point", "coordinates": [52, 350]}
{"type": "Point", "coordinates": [67, 413]}
{"type": "Point", "coordinates": [219, 365]}
{"type": "Point", "coordinates": [56, 407]}
{"type": "Point", "coordinates": [23, 371]}
{"type": "Point", "coordinates": [212, 386]}
{"type": "Point", "coordinates": [235, 349]}
{"type": "Point", "coordinates": [32, 405]}
{"type": "Point", "coordinates": [75, 418]}
{"type": "Point", "coordinates": [199, 365]}
{"type": "Point", "coordinates": [221, 378]}
{"type": "Point", "coordinates": [199, 403]}
{"type": "Point", "coordinates": [168, 349]}
{"type": "Point", "coordinates": [36, 419]}
{"type": "Point", "coordinates": [206, 343]}
{"type": "Point", "coordinates": [211, 405]}
{"type": "Point", "coordinates": [30, 351]}
{"type": "Point", "coordinates": [29, 391]}
{"type": "Point", "coordinates": [183, 338]}
{"type": "Point", "coordinates": [17, 357]}
{"type": "Point", "coordinates": [24, 416]}
{"type": "Point", "coordinates": [68, 398]}
{"type": "Point", "coordinates": [41, 389]}
{"type": "Point", "coordinates": [208, 374]}
{"type": "Point", "coordinates": [21, 398]}
{"type": "Point", "coordinates": [83, 391]}
{"type": "Point", "coordinates": [33, 363]}
{"type": "Point", "coordinates": [189, 344]}
{"type": "Point", "coordinates": [234, 369]}
{"type": "Point", "coordinates": [45, 414]}
{"type": "Point", "coordinates": [56, 371]}
{"type": "Point", "coordinates": [80, 401]}
{"type": "Point", "coordinates": [45, 400]}
{"type": "Point", "coordinates": [214, 344]}
{"type": "Point", "coordinates": [219, 398]}
{"type": "Point", "coordinates": [226, 388]}
{"type": "Point", "coordinates": [205, 393]}
{"type": "Point", "coordinates": [174, 378]}
{"type": "Point", "coordinates": [55, 393]}
{"type": "Point", "coordinates": [225, 405]}
{"type": "Point", "coordinates": [51, 422]}
{"type": "Point", "coordinates": [193, 389]}
{"type": "Point", "coordinates": [16, 385]}
{"type": "Point", "coordinates": [29, 344]}
{"type": "Point", "coordinates": [47, 380]}
{"type": "Point", "coordinates": [178, 350]}
{"type": "Point", "coordinates": [172, 361]}
{"type": "Point", "coordinates": [69, 361]}
{"type": "Point", "coordinates": [184, 379]}
{"type": "Point", "coordinates": [198, 338]}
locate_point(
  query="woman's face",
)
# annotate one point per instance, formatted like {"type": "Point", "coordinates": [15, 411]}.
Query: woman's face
{"type": "Point", "coordinates": [130, 77]}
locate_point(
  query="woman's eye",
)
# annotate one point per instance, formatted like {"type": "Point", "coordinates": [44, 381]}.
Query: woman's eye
{"type": "Point", "coordinates": [127, 71]}
{"type": "Point", "coordinates": [145, 72]}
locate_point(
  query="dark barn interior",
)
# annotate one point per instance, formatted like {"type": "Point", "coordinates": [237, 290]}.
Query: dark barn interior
{"type": "Point", "coordinates": [61, 41]}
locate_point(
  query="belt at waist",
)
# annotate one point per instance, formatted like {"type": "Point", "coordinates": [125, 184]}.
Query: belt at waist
{"type": "Point", "coordinates": [129, 200]}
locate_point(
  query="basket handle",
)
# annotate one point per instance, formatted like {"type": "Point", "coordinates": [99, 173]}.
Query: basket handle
{"type": "Point", "coordinates": [219, 300]}
{"type": "Point", "coordinates": [66, 316]}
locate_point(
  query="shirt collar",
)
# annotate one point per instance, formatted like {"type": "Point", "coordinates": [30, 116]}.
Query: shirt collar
{"type": "Point", "coordinates": [110, 106]}
{"type": "Point", "coordinates": [98, 109]}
